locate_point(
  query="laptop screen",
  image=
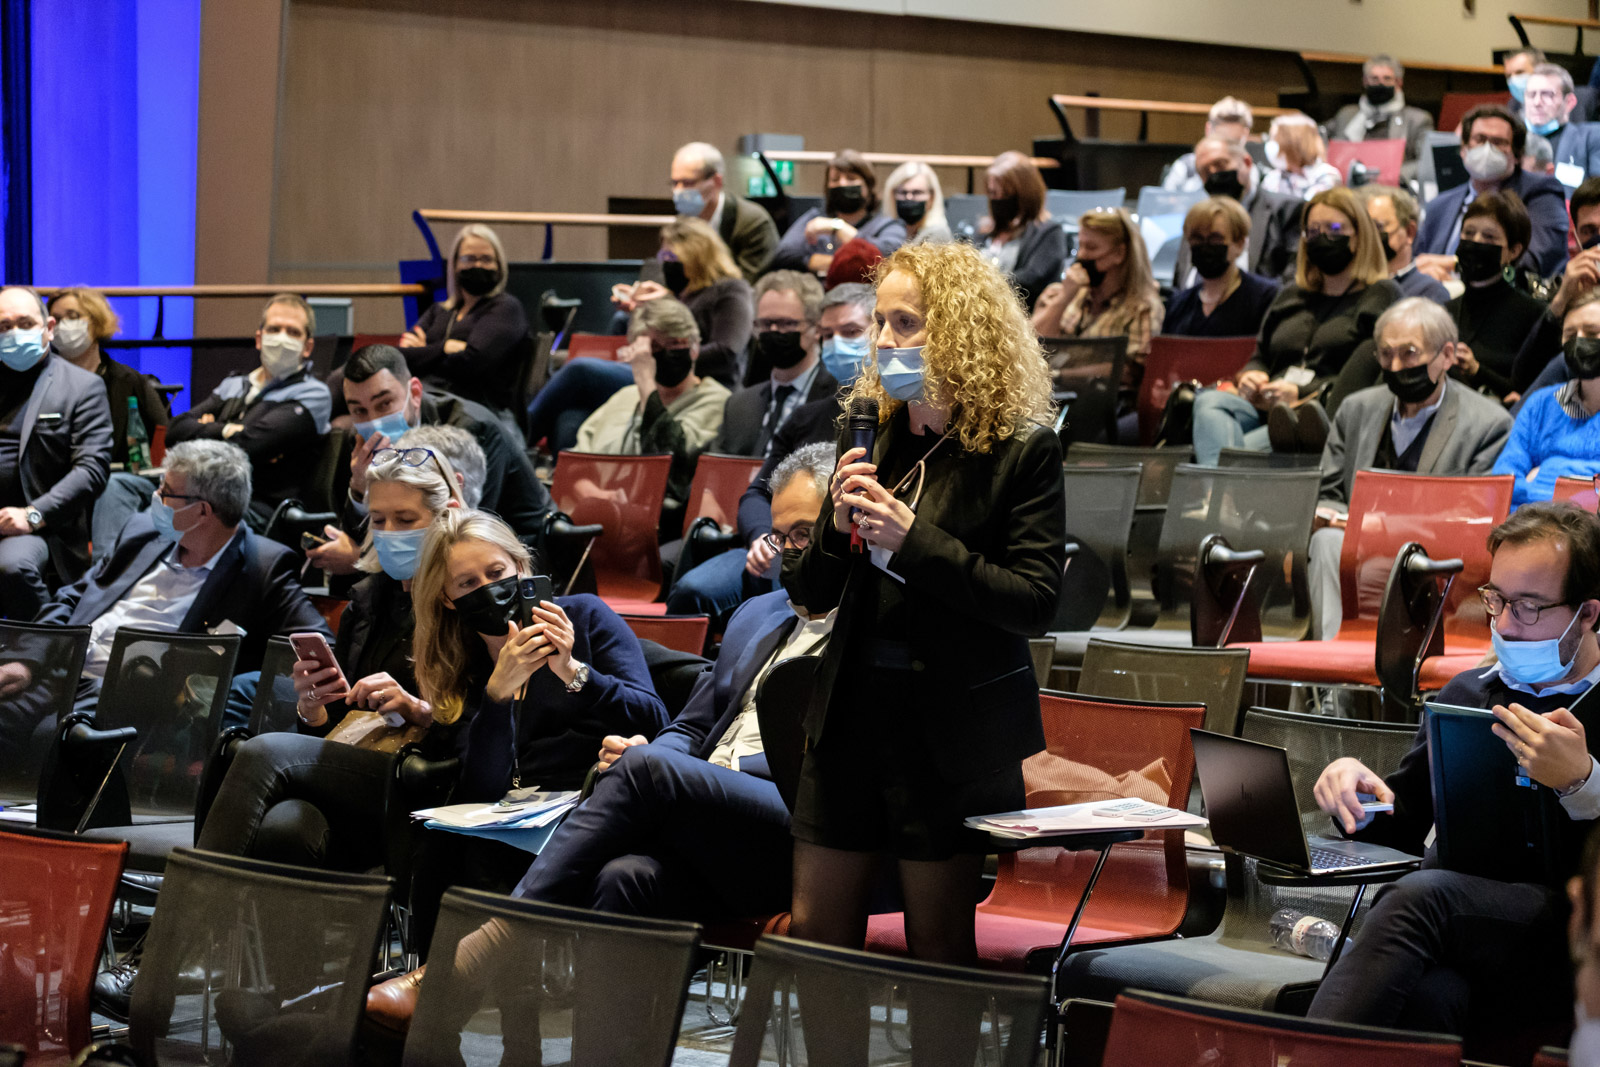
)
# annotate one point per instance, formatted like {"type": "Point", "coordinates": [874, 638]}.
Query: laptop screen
{"type": "Point", "coordinates": [1250, 798]}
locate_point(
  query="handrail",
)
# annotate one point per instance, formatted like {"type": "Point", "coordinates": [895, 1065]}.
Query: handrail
{"type": "Point", "coordinates": [1059, 102]}
{"type": "Point", "coordinates": [319, 289]}
{"type": "Point", "coordinates": [817, 156]}
{"type": "Point", "coordinates": [544, 218]}
{"type": "Point", "coordinates": [1553, 20]}
{"type": "Point", "coordinates": [1409, 64]}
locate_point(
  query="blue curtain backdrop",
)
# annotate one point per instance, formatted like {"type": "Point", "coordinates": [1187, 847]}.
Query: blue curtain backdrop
{"type": "Point", "coordinates": [115, 91]}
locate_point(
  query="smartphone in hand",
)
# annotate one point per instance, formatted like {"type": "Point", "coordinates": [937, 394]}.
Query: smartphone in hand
{"type": "Point", "coordinates": [314, 647]}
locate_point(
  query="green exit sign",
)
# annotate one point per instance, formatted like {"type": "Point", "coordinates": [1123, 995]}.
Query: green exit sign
{"type": "Point", "coordinates": [760, 184]}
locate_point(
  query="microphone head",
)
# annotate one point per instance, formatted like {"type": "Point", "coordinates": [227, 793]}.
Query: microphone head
{"type": "Point", "coordinates": [863, 411]}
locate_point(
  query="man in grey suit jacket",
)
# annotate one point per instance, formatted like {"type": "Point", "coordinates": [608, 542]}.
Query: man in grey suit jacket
{"type": "Point", "coordinates": [55, 456]}
{"type": "Point", "coordinates": [1227, 170]}
{"type": "Point", "coordinates": [1418, 421]}
{"type": "Point", "coordinates": [699, 189]}
{"type": "Point", "coordinates": [1549, 106]}
{"type": "Point", "coordinates": [1382, 114]}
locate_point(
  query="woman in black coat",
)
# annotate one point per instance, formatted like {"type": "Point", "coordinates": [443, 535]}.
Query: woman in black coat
{"type": "Point", "coordinates": [1023, 240]}
{"type": "Point", "coordinates": [926, 704]}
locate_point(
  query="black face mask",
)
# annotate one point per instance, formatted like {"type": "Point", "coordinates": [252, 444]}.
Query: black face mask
{"type": "Point", "coordinates": [488, 609]}
{"type": "Point", "coordinates": [1410, 385]}
{"type": "Point", "coordinates": [1211, 261]}
{"type": "Point", "coordinates": [789, 573]}
{"type": "Point", "coordinates": [1378, 95]}
{"type": "Point", "coordinates": [1388, 249]}
{"type": "Point", "coordinates": [1003, 210]}
{"type": "Point", "coordinates": [1330, 253]}
{"type": "Point", "coordinates": [1583, 357]}
{"type": "Point", "coordinates": [1590, 243]}
{"type": "Point", "coordinates": [846, 199]}
{"type": "Point", "coordinates": [674, 276]}
{"type": "Point", "coordinates": [672, 365]}
{"type": "Point", "coordinates": [476, 281]}
{"type": "Point", "coordinates": [1225, 183]}
{"type": "Point", "coordinates": [1477, 261]}
{"type": "Point", "coordinates": [911, 212]}
{"type": "Point", "coordinates": [1096, 275]}
{"type": "Point", "coordinates": [781, 348]}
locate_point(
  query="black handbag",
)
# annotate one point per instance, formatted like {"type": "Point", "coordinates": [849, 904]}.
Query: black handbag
{"type": "Point", "coordinates": [1177, 418]}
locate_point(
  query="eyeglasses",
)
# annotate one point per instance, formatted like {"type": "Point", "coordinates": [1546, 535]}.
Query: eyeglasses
{"type": "Point", "coordinates": [166, 494]}
{"type": "Point", "coordinates": [409, 457]}
{"type": "Point", "coordinates": [1327, 229]}
{"type": "Point", "coordinates": [799, 537]}
{"type": "Point", "coordinates": [1502, 143]}
{"type": "Point", "coordinates": [1389, 355]}
{"type": "Point", "coordinates": [780, 325]}
{"type": "Point", "coordinates": [476, 261]}
{"type": "Point", "coordinates": [1547, 95]}
{"type": "Point", "coordinates": [1526, 612]}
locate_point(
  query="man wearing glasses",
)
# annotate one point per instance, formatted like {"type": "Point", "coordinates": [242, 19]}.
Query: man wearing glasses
{"type": "Point", "coordinates": [691, 825]}
{"type": "Point", "coordinates": [187, 564]}
{"type": "Point", "coordinates": [1548, 104]}
{"type": "Point", "coordinates": [1417, 421]}
{"type": "Point", "coordinates": [1492, 144]}
{"type": "Point", "coordinates": [1438, 940]}
{"type": "Point", "coordinates": [55, 453]}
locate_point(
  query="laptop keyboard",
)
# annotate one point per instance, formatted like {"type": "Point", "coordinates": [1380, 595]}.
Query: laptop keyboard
{"type": "Point", "coordinates": [1326, 859]}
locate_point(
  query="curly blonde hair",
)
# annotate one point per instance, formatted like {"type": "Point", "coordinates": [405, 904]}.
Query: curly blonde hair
{"type": "Point", "coordinates": [983, 360]}
{"type": "Point", "coordinates": [439, 642]}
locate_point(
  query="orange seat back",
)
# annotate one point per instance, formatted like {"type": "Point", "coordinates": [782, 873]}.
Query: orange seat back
{"type": "Point", "coordinates": [719, 482]}
{"type": "Point", "coordinates": [1181, 359]}
{"type": "Point", "coordinates": [594, 346]}
{"type": "Point", "coordinates": [683, 633]}
{"type": "Point", "coordinates": [624, 495]}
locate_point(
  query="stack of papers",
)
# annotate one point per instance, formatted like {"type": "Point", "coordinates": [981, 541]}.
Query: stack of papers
{"type": "Point", "coordinates": [26, 814]}
{"type": "Point", "coordinates": [1085, 819]}
{"type": "Point", "coordinates": [524, 818]}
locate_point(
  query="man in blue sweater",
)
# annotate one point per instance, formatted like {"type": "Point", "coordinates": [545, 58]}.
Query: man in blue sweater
{"type": "Point", "coordinates": [1555, 433]}
{"type": "Point", "coordinates": [1439, 946]}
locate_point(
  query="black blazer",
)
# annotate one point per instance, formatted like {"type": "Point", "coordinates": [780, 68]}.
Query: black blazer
{"type": "Point", "coordinates": [809, 424]}
{"type": "Point", "coordinates": [255, 585]}
{"type": "Point", "coordinates": [982, 567]}
{"type": "Point", "coordinates": [496, 333]}
{"type": "Point", "coordinates": [65, 458]}
{"type": "Point", "coordinates": [1041, 255]}
{"type": "Point", "coordinates": [741, 415]}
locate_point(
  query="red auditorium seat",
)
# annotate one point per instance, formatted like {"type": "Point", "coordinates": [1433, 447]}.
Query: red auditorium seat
{"type": "Point", "coordinates": [719, 482]}
{"type": "Point", "coordinates": [623, 494]}
{"type": "Point", "coordinates": [594, 346]}
{"type": "Point", "coordinates": [1450, 518]}
{"type": "Point", "coordinates": [684, 633]}
{"type": "Point", "coordinates": [1584, 492]}
{"type": "Point", "coordinates": [1143, 890]}
{"type": "Point", "coordinates": [1181, 359]}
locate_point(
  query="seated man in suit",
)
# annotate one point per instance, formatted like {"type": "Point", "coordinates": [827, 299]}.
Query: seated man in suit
{"type": "Point", "coordinates": [1457, 953]}
{"type": "Point", "coordinates": [699, 188]}
{"type": "Point", "coordinates": [1394, 212]}
{"type": "Point", "coordinates": [1226, 169]}
{"type": "Point", "coordinates": [1548, 105]}
{"type": "Point", "coordinates": [716, 586]}
{"type": "Point", "coordinates": [1382, 114]}
{"type": "Point", "coordinates": [668, 408]}
{"type": "Point", "coordinates": [55, 449]}
{"type": "Point", "coordinates": [788, 306]}
{"type": "Point", "coordinates": [187, 565]}
{"type": "Point", "coordinates": [1540, 363]}
{"type": "Point", "coordinates": [385, 399]}
{"type": "Point", "coordinates": [1418, 421]}
{"type": "Point", "coordinates": [1492, 144]}
{"type": "Point", "coordinates": [278, 413]}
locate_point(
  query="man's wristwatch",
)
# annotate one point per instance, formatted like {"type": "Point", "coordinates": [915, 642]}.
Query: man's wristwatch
{"type": "Point", "coordinates": [34, 516]}
{"type": "Point", "coordinates": [580, 678]}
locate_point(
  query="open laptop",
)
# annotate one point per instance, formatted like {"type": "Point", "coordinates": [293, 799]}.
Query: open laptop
{"type": "Point", "coordinates": [1250, 802]}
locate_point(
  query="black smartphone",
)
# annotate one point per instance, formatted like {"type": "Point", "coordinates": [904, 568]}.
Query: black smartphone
{"type": "Point", "coordinates": [532, 592]}
{"type": "Point", "coordinates": [309, 540]}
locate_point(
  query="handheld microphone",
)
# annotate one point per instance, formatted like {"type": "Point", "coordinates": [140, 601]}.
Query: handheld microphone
{"type": "Point", "coordinates": [861, 423]}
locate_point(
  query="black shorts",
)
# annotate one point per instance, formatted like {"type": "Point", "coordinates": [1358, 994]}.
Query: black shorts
{"type": "Point", "coordinates": [871, 785]}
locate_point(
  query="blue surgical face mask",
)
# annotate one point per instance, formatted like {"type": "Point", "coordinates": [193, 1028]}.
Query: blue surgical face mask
{"type": "Point", "coordinates": [1546, 128]}
{"type": "Point", "coordinates": [391, 426]}
{"type": "Point", "coordinates": [398, 550]}
{"type": "Point", "coordinates": [1533, 662]}
{"type": "Point", "coordinates": [162, 515]}
{"type": "Point", "coordinates": [22, 349]}
{"type": "Point", "coordinates": [842, 356]}
{"type": "Point", "coordinates": [900, 370]}
{"type": "Point", "coordinates": [690, 201]}
{"type": "Point", "coordinates": [1517, 84]}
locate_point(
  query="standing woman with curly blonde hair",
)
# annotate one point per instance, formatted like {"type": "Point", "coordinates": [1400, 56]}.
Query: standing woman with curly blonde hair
{"type": "Point", "coordinates": [925, 704]}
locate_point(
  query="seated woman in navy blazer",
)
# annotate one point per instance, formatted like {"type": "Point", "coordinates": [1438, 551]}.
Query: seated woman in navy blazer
{"type": "Point", "coordinates": [925, 704]}
{"type": "Point", "coordinates": [1224, 300]}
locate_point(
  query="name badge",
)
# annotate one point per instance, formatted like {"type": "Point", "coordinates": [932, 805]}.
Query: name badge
{"type": "Point", "coordinates": [1569, 174]}
{"type": "Point", "coordinates": [880, 559]}
{"type": "Point", "coordinates": [1299, 377]}
{"type": "Point", "coordinates": [49, 416]}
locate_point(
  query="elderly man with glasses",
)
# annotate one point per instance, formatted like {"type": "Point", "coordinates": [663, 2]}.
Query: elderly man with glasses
{"type": "Point", "coordinates": [1439, 945]}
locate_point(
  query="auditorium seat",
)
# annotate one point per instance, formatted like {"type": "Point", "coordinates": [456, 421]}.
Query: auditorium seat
{"type": "Point", "coordinates": [1095, 589]}
{"type": "Point", "coordinates": [1451, 518]}
{"type": "Point", "coordinates": [595, 345]}
{"type": "Point", "coordinates": [1584, 492]}
{"type": "Point", "coordinates": [1152, 1028]}
{"type": "Point", "coordinates": [1172, 359]}
{"type": "Point", "coordinates": [54, 656]}
{"type": "Point", "coordinates": [1210, 676]}
{"type": "Point", "coordinates": [623, 494]}
{"type": "Point", "coordinates": [275, 709]}
{"type": "Point", "coordinates": [1096, 749]}
{"type": "Point", "coordinates": [684, 633]}
{"type": "Point", "coordinates": [719, 482]}
{"type": "Point", "coordinates": [56, 895]}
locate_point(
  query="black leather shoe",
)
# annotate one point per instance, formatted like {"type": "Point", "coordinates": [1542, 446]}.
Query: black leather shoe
{"type": "Point", "coordinates": [1281, 428]}
{"type": "Point", "coordinates": [113, 988]}
{"type": "Point", "coordinates": [1311, 427]}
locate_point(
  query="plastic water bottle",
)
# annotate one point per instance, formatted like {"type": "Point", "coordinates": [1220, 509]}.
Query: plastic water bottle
{"type": "Point", "coordinates": [1304, 935]}
{"type": "Point", "coordinates": [138, 438]}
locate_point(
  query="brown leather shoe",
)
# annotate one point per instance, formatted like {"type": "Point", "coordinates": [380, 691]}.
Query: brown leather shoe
{"type": "Point", "coordinates": [391, 1004]}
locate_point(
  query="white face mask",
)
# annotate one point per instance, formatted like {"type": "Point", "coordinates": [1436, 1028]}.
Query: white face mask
{"type": "Point", "coordinates": [1486, 163]}
{"type": "Point", "coordinates": [280, 354]}
{"type": "Point", "coordinates": [1274, 154]}
{"type": "Point", "coordinates": [72, 337]}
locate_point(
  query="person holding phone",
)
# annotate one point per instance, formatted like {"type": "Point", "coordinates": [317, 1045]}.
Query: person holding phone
{"type": "Point", "coordinates": [962, 525]}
